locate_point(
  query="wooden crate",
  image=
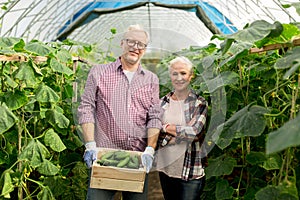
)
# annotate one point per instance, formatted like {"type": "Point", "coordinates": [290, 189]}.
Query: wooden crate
{"type": "Point", "coordinates": [115, 178]}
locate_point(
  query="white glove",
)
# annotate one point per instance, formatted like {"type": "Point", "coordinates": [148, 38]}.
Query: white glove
{"type": "Point", "coordinates": [90, 153]}
{"type": "Point", "coordinates": [147, 158]}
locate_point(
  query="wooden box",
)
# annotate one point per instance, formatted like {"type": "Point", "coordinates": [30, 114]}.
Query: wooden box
{"type": "Point", "coordinates": [116, 178]}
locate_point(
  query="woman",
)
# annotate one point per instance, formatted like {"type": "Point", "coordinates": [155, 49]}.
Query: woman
{"type": "Point", "coordinates": [178, 157]}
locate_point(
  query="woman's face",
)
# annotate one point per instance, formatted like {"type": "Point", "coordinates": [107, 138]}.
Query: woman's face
{"type": "Point", "coordinates": [180, 76]}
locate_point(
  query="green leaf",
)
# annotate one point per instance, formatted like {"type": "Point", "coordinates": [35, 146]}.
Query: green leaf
{"type": "Point", "coordinates": [57, 184]}
{"type": "Point", "coordinates": [249, 121]}
{"type": "Point", "coordinates": [290, 59]}
{"type": "Point", "coordinates": [256, 158]}
{"type": "Point", "coordinates": [7, 118]}
{"type": "Point", "coordinates": [8, 41]}
{"type": "Point", "coordinates": [46, 94]}
{"type": "Point", "coordinates": [270, 192]}
{"type": "Point", "coordinates": [223, 190]}
{"type": "Point", "coordinates": [10, 82]}
{"type": "Point", "coordinates": [57, 118]}
{"type": "Point", "coordinates": [16, 100]}
{"type": "Point", "coordinates": [18, 47]}
{"type": "Point", "coordinates": [286, 136]}
{"type": "Point", "coordinates": [45, 194]}
{"type": "Point", "coordinates": [225, 78]}
{"type": "Point", "coordinates": [7, 185]}
{"type": "Point", "coordinates": [47, 168]}
{"type": "Point", "coordinates": [256, 31]}
{"type": "Point", "coordinates": [26, 73]}
{"type": "Point", "coordinates": [220, 166]}
{"type": "Point", "coordinates": [58, 67]}
{"type": "Point", "coordinates": [53, 140]}
{"type": "Point", "coordinates": [64, 56]}
{"type": "Point", "coordinates": [273, 162]}
{"type": "Point", "coordinates": [38, 49]}
{"type": "Point", "coordinates": [35, 152]}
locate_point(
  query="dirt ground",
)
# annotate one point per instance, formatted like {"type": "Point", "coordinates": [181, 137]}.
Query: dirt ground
{"type": "Point", "coordinates": [154, 190]}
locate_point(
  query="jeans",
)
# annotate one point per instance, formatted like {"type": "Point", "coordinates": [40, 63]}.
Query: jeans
{"type": "Point", "coordinates": [102, 194]}
{"type": "Point", "coordinates": [178, 189]}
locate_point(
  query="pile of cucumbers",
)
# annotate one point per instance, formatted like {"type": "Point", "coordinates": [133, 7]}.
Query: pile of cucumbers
{"type": "Point", "coordinates": [120, 159]}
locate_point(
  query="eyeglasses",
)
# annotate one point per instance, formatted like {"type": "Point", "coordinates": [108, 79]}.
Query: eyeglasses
{"type": "Point", "coordinates": [132, 43]}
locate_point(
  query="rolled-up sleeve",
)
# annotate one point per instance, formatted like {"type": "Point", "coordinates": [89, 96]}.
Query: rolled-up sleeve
{"type": "Point", "coordinates": [155, 112]}
{"type": "Point", "coordinates": [196, 124]}
{"type": "Point", "coordinates": [86, 109]}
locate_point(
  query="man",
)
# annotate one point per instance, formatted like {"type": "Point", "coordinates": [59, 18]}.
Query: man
{"type": "Point", "coordinates": [120, 108]}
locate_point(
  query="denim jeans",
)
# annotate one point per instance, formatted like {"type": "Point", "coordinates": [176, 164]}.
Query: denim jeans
{"type": "Point", "coordinates": [178, 189]}
{"type": "Point", "coordinates": [101, 194]}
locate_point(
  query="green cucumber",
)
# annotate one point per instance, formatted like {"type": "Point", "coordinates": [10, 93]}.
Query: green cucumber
{"type": "Point", "coordinates": [121, 155]}
{"type": "Point", "coordinates": [124, 162]}
{"type": "Point", "coordinates": [107, 155]}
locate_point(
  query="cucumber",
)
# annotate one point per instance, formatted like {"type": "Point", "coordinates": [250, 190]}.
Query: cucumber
{"type": "Point", "coordinates": [124, 162]}
{"type": "Point", "coordinates": [108, 162]}
{"type": "Point", "coordinates": [121, 155]}
{"type": "Point", "coordinates": [107, 155]}
{"type": "Point", "coordinates": [135, 160]}
{"type": "Point", "coordinates": [132, 165]}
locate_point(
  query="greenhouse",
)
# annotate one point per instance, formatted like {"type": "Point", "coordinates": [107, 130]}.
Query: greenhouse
{"type": "Point", "coordinates": [245, 64]}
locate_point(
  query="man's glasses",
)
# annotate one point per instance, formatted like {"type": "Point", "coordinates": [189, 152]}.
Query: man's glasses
{"type": "Point", "coordinates": [132, 43]}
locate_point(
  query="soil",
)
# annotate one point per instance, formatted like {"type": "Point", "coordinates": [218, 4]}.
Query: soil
{"type": "Point", "coordinates": [154, 189]}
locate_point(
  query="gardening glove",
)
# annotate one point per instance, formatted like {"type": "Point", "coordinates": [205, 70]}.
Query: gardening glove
{"type": "Point", "coordinates": [147, 158]}
{"type": "Point", "coordinates": [90, 153]}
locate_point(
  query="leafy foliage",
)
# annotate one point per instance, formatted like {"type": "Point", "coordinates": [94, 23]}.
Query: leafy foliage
{"type": "Point", "coordinates": [252, 136]}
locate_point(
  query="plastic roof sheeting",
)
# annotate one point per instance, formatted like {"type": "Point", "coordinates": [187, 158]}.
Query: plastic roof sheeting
{"type": "Point", "coordinates": [170, 28]}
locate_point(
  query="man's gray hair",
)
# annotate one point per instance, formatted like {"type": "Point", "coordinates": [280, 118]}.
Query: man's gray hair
{"type": "Point", "coordinates": [137, 27]}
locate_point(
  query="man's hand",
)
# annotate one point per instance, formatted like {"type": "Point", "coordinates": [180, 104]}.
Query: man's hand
{"type": "Point", "coordinates": [147, 158]}
{"type": "Point", "coordinates": [90, 153]}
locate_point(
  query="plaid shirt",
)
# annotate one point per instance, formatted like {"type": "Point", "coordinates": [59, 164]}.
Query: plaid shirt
{"type": "Point", "coordinates": [121, 111]}
{"type": "Point", "coordinates": [195, 115]}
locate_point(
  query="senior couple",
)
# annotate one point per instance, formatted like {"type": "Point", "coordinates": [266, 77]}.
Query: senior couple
{"type": "Point", "coordinates": [121, 109]}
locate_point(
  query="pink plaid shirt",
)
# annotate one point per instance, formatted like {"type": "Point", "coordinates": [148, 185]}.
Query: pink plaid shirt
{"type": "Point", "coordinates": [121, 111]}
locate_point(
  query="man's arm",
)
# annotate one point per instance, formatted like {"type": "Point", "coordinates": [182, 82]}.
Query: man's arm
{"type": "Point", "coordinates": [88, 132]}
{"type": "Point", "coordinates": [153, 134]}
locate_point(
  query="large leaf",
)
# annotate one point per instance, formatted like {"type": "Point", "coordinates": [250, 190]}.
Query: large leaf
{"type": "Point", "coordinates": [53, 140]}
{"type": "Point", "coordinates": [58, 67]}
{"type": "Point", "coordinates": [45, 194]}
{"type": "Point", "coordinates": [256, 31]}
{"type": "Point", "coordinates": [16, 100]}
{"type": "Point", "coordinates": [223, 190]}
{"type": "Point", "coordinates": [290, 58]}
{"type": "Point", "coordinates": [220, 166]}
{"type": "Point", "coordinates": [27, 74]}
{"type": "Point", "coordinates": [6, 183]}
{"type": "Point", "coordinates": [38, 48]}
{"type": "Point", "coordinates": [269, 192]}
{"type": "Point", "coordinates": [46, 94]}
{"type": "Point", "coordinates": [35, 152]}
{"type": "Point", "coordinates": [256, 158]}
{"type": "Point", "coordinates": [8, 41]}
{"type": "Point", "coordinates": [286, 136]}
{"type": "Point", "coordinates": [57, 118]}
{"type": "Point", "coordinates": [64, 56]}
{"type": "Point", "coordinates": [7, 118]}
{"type": "Point", "coordinates": [225, 78]}
{"type": "Point", "coordinates": [10, 82]}
{"type": "Point", "coordinates": [47, 168]}
{"type": "Point", "coordinates": [272, 162]}
{"type": "Point", "coordinates": [249, 121]}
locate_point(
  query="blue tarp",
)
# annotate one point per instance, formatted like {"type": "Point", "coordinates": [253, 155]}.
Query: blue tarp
{"type": "Point", "coordinates": [221, 22]}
